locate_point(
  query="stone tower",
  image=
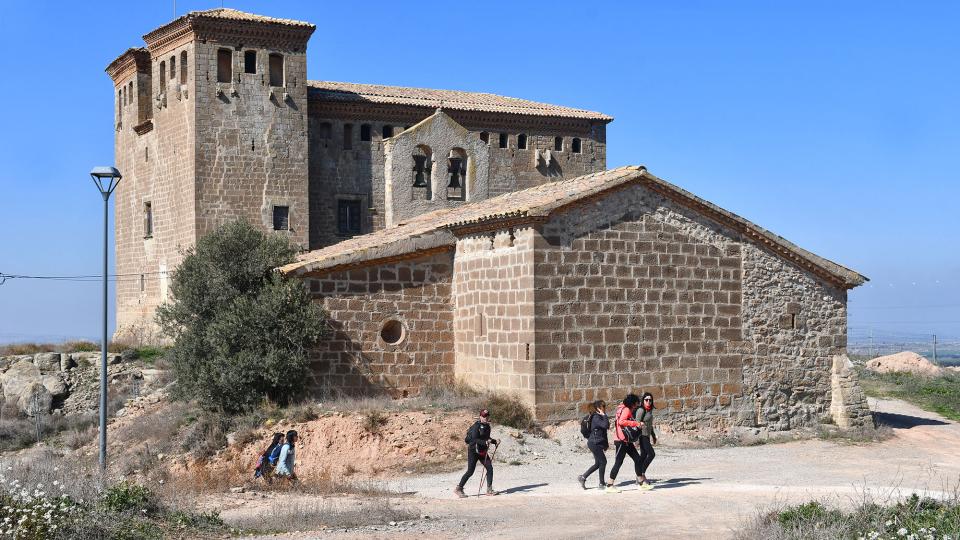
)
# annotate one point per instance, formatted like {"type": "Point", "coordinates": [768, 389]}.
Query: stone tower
{"type": "Point", "coordinates": [211, 126]}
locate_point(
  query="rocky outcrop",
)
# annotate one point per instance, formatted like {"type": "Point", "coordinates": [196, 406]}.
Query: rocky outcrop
{"type": "Point", "coordinates": [51, 381]}
{"type": "Point", "coordinates": [23, 385]}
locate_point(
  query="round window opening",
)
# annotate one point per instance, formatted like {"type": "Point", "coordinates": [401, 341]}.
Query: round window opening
{"type": "Point", "coordinates": [392, 332]}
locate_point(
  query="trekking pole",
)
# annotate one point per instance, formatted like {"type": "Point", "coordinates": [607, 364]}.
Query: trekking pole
{"type": "Point", "coordinates": [484, 477]}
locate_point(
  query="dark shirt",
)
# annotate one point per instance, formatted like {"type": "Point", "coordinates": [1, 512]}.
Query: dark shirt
{"type": "Point", "coordinates": [599, 425]}
{"type": "Point", "coordinates": [478, 436]}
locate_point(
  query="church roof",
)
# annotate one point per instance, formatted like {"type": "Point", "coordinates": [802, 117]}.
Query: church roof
{"type": "Point", "coordinates": [235, 15]}
{"type": "Point", "coordinates": [446, 99]}
{"type": "Point", "coordinates": [434, 230]}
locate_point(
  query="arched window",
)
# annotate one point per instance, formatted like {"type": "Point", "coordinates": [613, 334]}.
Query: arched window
{"type": "Point", "coordinates": [163, 77]}
{"type": "Point", "coordinates": [250, 62]}
{"type": "Point", "coordinates": [575, 145]}
{"type": "Point", "coordinates": [558, 144]}
{"type": "Point", "coordinates": [522, 141]}
{"type": "Point", "coordinates": [504, 140]}
{"type": "Point", "coordinates": [224, 65]}
{"type": "Point", "coordinates": [276, 70]}
{"type": "Point", "coordinates": [457, 171]}
{"type": "Point", "coordinates": [173, 67]}
{"type": "Point", "coordinates": [485, 137]}
{"type": "Point", "coordinates": [183, 67]}
{"type": "Point", "coordinates": [130, 95]}
{"type": "Point", "coordinates": [423, 173]}
{"type": "Point", "coordinates": [120, 104]}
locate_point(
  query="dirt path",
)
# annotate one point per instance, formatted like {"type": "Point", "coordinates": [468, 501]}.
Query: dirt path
{"type": "Point", "coordinates": [699, 491]}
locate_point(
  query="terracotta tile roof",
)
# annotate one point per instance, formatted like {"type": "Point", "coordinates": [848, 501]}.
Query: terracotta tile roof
{"type": "Point", "coordinates": [447, 99]}
{"type": "Point", "coordinates": [233, 14]}
{"type": "Point", "coordinates": [433, 230]}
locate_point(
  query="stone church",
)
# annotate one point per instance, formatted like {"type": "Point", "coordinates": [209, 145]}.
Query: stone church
{"type": "Point", "coordinates": [467, 236]}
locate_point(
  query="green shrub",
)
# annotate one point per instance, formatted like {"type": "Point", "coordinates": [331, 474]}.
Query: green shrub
{"type": "Point", "coordinates": [373, 421]}
{"type": "Point", "coordinates": [127, 497]}
{"type": "Point", "coordinates": [241, 330]}
{"type": "Point", "coordinates": [938, 394]}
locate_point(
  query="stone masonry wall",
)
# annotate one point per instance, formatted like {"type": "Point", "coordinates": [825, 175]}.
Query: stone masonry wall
{"type": "Point", "coordinates": [357, 359]}
{"type": "Point", "coordinates": [493, 311]}
{"type": "Point", "coordinates": [157, 167]}
{"type": "Point", "coordinates": [635, 293]}
{"type": "Point", "coordinates": [357, 173]}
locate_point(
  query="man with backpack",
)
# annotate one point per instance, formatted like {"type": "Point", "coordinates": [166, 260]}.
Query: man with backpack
{"type": "Point", "coordinates": [478, 443]}
{"type": "Point", "coordinates": [627, 433]}
{"type": "Point", "coordinates": [594, 427]}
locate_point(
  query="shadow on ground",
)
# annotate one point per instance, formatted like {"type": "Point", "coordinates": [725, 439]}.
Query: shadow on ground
{"type": "Point", "coordinates": [521, 489]}
{"type": "Point", "coordinates": [905, 421]}
{"type": "Point", "coordinates": [670, 483]}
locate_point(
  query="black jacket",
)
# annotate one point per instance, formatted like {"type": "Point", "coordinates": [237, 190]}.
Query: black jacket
{"type": "Point", "coordinates": [599, 425]}
{"type": "Point", "coordinates": [478, 436]}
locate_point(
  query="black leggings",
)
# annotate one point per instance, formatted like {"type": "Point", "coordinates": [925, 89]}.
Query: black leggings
{"type": "Point", "coordinates": [472, 459]}
{"type": "Point", "coordinates": [646, 453]}
{"type": "Point", "coordinates": [624, 449]}
{"type": "Point", "coordinates": [599, 463]}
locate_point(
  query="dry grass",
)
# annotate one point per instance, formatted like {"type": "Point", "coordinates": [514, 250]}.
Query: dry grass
{"type": "Point", "coordinates": [14, 349]}
{"type": "Point", "coordinates": [309, 515]}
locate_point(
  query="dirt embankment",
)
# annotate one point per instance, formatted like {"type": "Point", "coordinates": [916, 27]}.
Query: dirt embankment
{"type": "Point", "coordinates": [906, 361]}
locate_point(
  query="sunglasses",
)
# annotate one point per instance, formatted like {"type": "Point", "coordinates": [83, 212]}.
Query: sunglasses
{"type": "Point", "coordinates": [647, 399]}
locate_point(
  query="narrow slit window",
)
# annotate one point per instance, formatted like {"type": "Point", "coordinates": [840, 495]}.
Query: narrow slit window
{"type": "Point", "coordinates": [365, 132]}
{"type": "Point", "coordinates": [422, 173]}
{"type": "Point", "coordinates": [348, 136]}
{"type": "Point", "coordinates": [387, 132]}
{"type": "Point", "coordinates": [504, 139]}
{"type": "Point", "coordinates": [183, 67]}
{"type": "Point", "coordinates": [224, 66]}
{"type": "Point", "coordinates": [522, 141]}
{"type": "Point", "coordinates": [457, 170]}
{"type": "Point", "coordinates": [485, 137]}
{"type": "Point", "coordinates": [281, 218]}
{"type": "Point", "coordinates": [147, 220]}
{"type": "Point", "coordinates": [119, 104]}
{"type": "Point", "coordinates": [250, 62]}
{"type": "Point", "coordinates": [130, 92]}
{"type": "Point", "coordinates": [575, 145]}
{"type": "Point", "coordinates": [348, 217]}
{"type": "Point", "coordinates": [276, 70]}
{"type": "Point", "coordinates": [173, 67]}
{"type": "Point", "coordinates": [163, 77]}
{"type": "Point", "coordinates": [558, 144]}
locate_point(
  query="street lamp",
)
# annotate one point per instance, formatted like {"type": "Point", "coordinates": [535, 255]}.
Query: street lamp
{"type": "Point", "coordinates": [106, 179]}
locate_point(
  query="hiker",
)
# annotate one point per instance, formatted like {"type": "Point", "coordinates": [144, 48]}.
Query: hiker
{"type": "Point", "coordinates": [268, 458]}
{"type": "Point", "coordinates": [598, 444]}
{"type": "Point", "coordinates": [285, 462]}
{"type": "Point", "coordinates": [478, 442]}
{"type": "Point", "coordinates": [647, 434]}
{"type": "Point", "coordinates": [624, 446]}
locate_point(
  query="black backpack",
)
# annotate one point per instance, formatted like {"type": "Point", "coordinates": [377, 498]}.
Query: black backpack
{"type": "Point", "coordinates": [631, 433]}
{"type": "Point", "coordinates": [586, 425]}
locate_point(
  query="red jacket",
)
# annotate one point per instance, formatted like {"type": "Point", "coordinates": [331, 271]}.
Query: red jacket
{"type": "Point", "coordinates": [624, 419]}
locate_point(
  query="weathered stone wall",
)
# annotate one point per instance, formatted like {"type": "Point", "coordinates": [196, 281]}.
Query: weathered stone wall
{"type": "Point", "coordinates": [251, 140]}
{"type": "Point", "coordinates": [635, 293]}
{"type": "Point", "coordinates": [357, 173]}
{"type": "Point", "coordinates": [493, 311]}
{"type": "Point", "coordinates": [357, 359]}
{"type": "Point", "coordinates": [157, 164]}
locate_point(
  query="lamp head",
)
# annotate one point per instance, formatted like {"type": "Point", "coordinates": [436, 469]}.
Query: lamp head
{"type": "Point", "coordinates": [106, 179]}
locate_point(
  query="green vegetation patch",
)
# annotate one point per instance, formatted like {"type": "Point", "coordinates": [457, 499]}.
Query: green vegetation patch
{"type": "Point", "coordinates": [937, 394]}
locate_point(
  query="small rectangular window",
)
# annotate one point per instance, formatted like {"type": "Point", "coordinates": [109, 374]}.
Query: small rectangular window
{"type": "Point", "coordinates": [250, 62]}
{"type": "Point", "coordinates": [348, 136]}
{"type": "Point", "coordinates": [365, 132]}
{"type": "Point", "coordinates": [348, 217]}
{"type": "Point", "coordinates": [503, 140]}
{"type": "Point", "coordinates": [147, 220]}
{"type": "Point", "coordinates": [387, 132]}
{"type": "Point", "coordinates": [522, 141]}
{"type": "Point", "coordinates": [276, 70]}
{"type": "Point", "coordinates": [224, 65]}
{"type": "Point", "coordinates": [575, 145]}
{"type": "Point", "coordinates": [558, 144]}
{"type": "Point", "coordinates": [281, 218]}
{"type": "Point", "coordinates": [485, 137]}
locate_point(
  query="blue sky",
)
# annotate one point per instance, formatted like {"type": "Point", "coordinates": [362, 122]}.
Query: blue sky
{"type": "Point", "coordinates": [833, 124]}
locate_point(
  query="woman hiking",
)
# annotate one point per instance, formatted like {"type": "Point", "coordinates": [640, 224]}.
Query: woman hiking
{"type": "Point", "coordinates": [478, 442]}
{"type": "Point", "coordinates": [264, 463]}
{"type": "Point", "coordinates": [598, 444]}
{"type": "Point", "coordinates": [647, 434]}
{"type": "Point", "coordinates": [623, 446]}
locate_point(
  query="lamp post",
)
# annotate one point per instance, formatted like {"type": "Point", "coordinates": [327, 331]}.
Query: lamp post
{"type": "Point", "coordinates": [106, 180]}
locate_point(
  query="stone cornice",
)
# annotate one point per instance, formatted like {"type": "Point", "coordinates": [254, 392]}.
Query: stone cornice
{"type": "Point", "coordinates": [132, 61]}
{"type": "Point", "coordinates": [378, 262]}
{"type": "Point", "coordinates": [199, 26]}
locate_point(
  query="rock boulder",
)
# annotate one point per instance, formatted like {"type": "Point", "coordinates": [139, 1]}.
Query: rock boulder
{"type": "Point", "coordinates": [47, 361]}
{"type": "Point", "coordinates": [23, 385]}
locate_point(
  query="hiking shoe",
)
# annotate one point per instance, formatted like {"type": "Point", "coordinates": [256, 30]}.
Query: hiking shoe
{"type": "Point", "coordinates": [583, 481]}
{"type": "Point", "coordinates": [645, 486]}
{"type": "Point", "coordinates": [490, 491]}
{"type": "Point", "coordinates": [458, 491]}
{"type": "Point", "coordinates": [611, 489]}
